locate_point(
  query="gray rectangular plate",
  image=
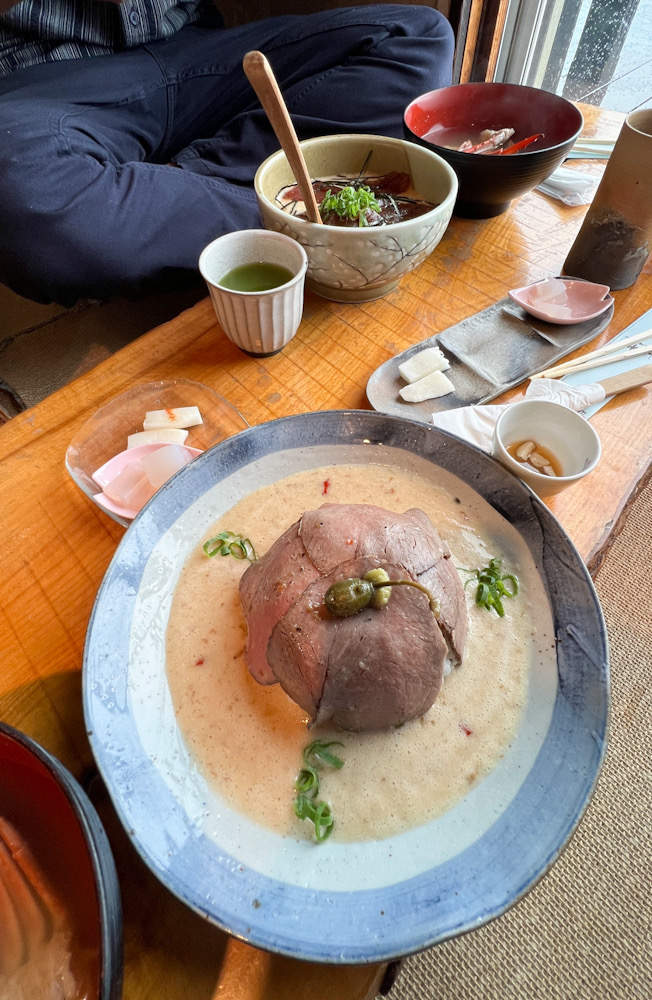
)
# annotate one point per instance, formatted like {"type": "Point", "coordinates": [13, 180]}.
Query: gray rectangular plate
{"type": "Point", "coordinates": [489, 352]}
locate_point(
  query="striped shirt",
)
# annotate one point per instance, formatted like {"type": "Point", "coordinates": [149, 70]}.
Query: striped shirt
{"type": "Point", "coordinates": [38, 31]}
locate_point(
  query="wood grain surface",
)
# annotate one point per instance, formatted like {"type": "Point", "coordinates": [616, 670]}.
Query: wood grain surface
{"type": "Point", "coordinates": [56, 545]}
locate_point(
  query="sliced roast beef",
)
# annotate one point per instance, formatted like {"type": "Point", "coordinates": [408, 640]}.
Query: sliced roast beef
{"type": "Point", "coordinates": [267, 589]}
{"type": "Point", "coordinates": [292, 638]}
{"type": "Point", "coordinates": [336, 532]}
{"type": "Point", "coordinates": [376, 669]}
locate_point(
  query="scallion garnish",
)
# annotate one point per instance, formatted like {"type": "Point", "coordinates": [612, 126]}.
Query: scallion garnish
{"type": "Point", "coordinates": [307, 783]}
{"type": "Point", "coordinates": [229, 544]}
{"type": "Point", "coordinates": [306, 805]}
{"type": "Point", "coordinates": [350, 203]}
{"type": "Point", "coordinates": [492, 586]}
{"type": "Point", "coordinates": [318, 753]}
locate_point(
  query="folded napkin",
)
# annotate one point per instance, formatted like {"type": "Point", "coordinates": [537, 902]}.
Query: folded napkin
{"type": "Point", "coordinates": [570, 186]}
{"type": "Point", "coordinates": [475, 424]}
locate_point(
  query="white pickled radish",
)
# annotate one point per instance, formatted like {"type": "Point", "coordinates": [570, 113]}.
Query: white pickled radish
{"type": "Point", "coordinates": [161, 464]}
{"type": "Point", "coordinates": [176, 416]}
{"type": "Point", "coordinates": [164, 435]}
{"type": "Point", "coordinates": [429, 360]}
{"type": "Point", "coordinates": [431, 387]}
{"type": "Point", "coordinates": [131, 488]}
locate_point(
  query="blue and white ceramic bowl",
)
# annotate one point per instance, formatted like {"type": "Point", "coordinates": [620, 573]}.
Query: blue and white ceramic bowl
{"type": "Point", "coordinates": [337, 902]}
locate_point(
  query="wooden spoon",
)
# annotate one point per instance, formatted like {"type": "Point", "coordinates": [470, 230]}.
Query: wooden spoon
{"type": "Point", "coordinates": [260, 76]}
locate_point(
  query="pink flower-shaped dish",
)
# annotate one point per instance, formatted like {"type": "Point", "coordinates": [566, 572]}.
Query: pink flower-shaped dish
{"type": "Point", "coordinates": [563, 300]}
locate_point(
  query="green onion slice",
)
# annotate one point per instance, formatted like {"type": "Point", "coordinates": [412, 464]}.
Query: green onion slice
{"type": "Point", "coordinates": [318, 753]}
{"type": "Point", "coordinates": [229, 544]}
{"type": "Point", "coordinates": [306, 804]}
{"type": "Point", "coordinates": [307, 783]}
{"type": "Point", "coordinates": [493, 586]}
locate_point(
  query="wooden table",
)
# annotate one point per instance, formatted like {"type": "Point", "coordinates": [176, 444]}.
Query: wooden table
{"type": "Point", "coordinates": [56, 545]}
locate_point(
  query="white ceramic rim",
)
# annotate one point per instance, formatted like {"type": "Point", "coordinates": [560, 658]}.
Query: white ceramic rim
{"type": "Point", "coordinates": [352, 232]}
{"type": "Point", "coordinates": [539, 477]}
{"type": "Point", "coordinates": [260, 234]}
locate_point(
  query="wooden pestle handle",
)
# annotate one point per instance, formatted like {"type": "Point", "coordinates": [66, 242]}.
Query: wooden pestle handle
{"type": "Point", "coordinates": [260, 76]}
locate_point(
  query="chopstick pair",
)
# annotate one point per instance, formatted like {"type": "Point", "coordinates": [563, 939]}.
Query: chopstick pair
{"type": "Point", "coordinates": [603, 355]}
{"type": "Point", "coordinates": [588, 149]}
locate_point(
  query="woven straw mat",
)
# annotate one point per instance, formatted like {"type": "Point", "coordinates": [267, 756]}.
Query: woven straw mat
{"type": "Point", "coordinates": [585, 931]}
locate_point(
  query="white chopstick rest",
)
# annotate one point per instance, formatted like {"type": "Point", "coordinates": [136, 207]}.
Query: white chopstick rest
{"type": "Point", "coordinates": [179, 416]}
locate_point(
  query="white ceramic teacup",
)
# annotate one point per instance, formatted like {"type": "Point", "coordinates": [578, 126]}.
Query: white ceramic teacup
{"type": "Point", "coordinates": [260, 323]}
{"type": "Point", "coordinates": [563, 432]}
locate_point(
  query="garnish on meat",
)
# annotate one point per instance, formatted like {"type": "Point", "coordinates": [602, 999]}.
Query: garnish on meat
{"type": "Point", "coordinates": [493, 586]}
{"type": "Point", "coordinates": [348, 597]}
{"type": "Point", "coordinates": [307, 805]}
{"type": "Point", "coordinates": [373, 669]}
{"type": "Point", "coordinates": [363, 201]}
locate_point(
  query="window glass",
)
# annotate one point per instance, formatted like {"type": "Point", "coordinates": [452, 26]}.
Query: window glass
{"type": "Point", "coordinates": [596, 51]}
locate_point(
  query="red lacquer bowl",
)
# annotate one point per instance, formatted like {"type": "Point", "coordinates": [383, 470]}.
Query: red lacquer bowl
{"type": "Point", "coordinates": [56, 847]}
{"type": "Point", "coordinates": [487, 184]}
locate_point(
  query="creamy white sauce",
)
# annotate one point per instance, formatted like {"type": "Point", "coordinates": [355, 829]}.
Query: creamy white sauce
{"type": "Point", "coordinates": [248, 739]}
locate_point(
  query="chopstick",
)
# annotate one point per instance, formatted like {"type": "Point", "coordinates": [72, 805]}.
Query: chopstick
{"type": "Point", "coordinates": [590, 360]}
{"type": "Point", "coordinates": [587, 148]}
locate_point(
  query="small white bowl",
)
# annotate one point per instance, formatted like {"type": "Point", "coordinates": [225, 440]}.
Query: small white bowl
{"type": "Point", "coordinates": [563, 432]}
{"type": "Point", "coordinates": [563, 300]}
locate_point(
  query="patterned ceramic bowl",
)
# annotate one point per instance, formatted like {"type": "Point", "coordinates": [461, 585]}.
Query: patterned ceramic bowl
{"type": "Point", "coordinates": [353, 264]}
{"type": "Point", "coordinates": [346, 901]}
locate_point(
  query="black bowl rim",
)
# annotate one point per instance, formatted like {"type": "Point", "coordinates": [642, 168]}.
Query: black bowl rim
{"type": "Point", "coordinates": [444, 150]}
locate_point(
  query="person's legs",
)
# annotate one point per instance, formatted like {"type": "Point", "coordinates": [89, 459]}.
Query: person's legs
{"type": "Point", "coordinates": [344, 70]}
{"type": "Point", "coordinates": [89, 206]}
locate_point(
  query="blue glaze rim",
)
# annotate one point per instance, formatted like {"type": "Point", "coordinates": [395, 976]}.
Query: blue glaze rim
{"type": "Point", "coordinates": [452, 898]}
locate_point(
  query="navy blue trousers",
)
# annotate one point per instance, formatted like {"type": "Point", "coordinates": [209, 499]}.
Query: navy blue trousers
{"type": "Point", "coordinates": [89, 204]}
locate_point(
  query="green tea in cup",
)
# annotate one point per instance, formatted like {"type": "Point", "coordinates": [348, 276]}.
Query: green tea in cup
{"type": "Point", "coordinates": [256, 279]}
{"type": "Point", "coordinates": [258, 276]}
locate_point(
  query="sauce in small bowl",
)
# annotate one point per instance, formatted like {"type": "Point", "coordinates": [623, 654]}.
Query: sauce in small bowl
{"type": "Point", "coordinates": [559, 433]}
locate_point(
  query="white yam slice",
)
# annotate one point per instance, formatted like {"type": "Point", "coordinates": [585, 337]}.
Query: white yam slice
{"type": "Point", "coordinates": [429, 360]}
{"type": "Point", "coordinates": [177, 416]}
{"type": "Point", "coordinates": [163, 435]}
{"type": "Point", "coordinates": [431, 387]}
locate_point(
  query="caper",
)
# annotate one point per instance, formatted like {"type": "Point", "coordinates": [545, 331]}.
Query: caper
{"type": "Point", "coordinates": [381, 595]}
{"type": "Point", "coordinates": [346, 597]}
